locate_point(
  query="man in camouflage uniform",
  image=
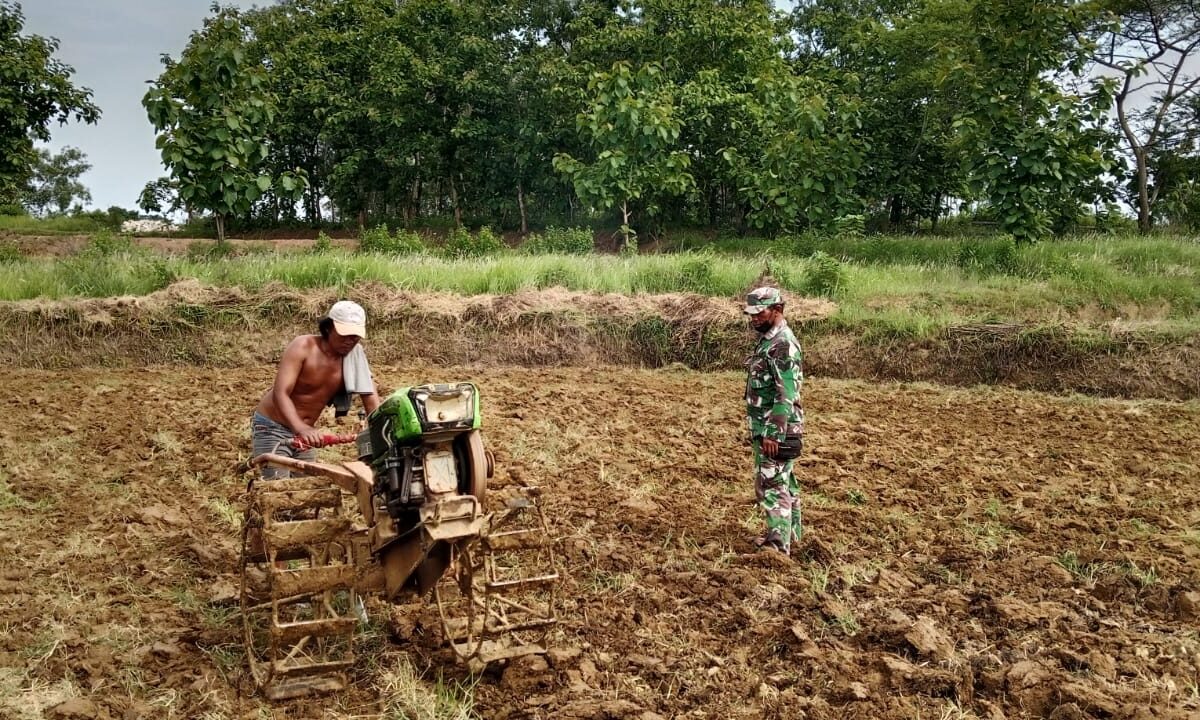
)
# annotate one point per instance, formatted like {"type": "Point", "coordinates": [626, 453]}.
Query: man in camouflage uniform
{"type": "Point", "coordinates": [775, 416]}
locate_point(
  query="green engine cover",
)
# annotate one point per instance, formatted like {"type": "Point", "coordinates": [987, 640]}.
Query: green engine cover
{"type": "Point", "coordinates": [412, 412]}
{"type": "Point", "coordinates": [398, 408]}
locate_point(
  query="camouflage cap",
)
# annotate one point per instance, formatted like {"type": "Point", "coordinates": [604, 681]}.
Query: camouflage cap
{"type": "Point", "coordinates": [760, 299]}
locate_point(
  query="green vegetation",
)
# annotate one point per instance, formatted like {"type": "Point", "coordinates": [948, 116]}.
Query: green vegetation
{"type": "Point", "coordinates": [36, 91]}
{"type": "Point", "coordinates": [887, 287]}
{"type": "Point", "coordinates": [644, 114]}
{"type": "Point", "coordinates": [406, 694]}
{"type": "Point", "coordinates": [57, 225]}
{"type": "Point", "coordinates": [381, 240]}
{"type": "Point", "coordinates": [211, 112]}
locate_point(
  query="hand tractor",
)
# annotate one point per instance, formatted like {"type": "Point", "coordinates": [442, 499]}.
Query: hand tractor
{"type": "Point", "coordinates": [406, 520]}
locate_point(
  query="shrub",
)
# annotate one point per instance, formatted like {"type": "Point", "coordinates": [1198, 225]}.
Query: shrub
{"type": "Point", "coordinates": [462, 244]}
{"type": "Point", "coordinates": [850, 226]}
{"type": "Point", "coordinates": [202, 251]}
{"type": "Point", "coordinates": [380, 240]}
{"type": "Point", "coordinates": [10, 253]}
{"type": "Point", "coordinates": [558, 274]}
{"type": "Point", "coordinates": [377, 239]}
{"type": "Point", "coordinates": [804, 244]}
{"type": "Point", "coordinates": [563, 241]}
{"type": "Point", "coordinates": [321, 245]}
{"type": "Point", "coordinates": [161, 274]}
{"type": "Point", "coordinates": [1111, 221]}
{"type": "Point", "coordinates": [826, 276]}
{"type": "Point", "coordinates": [996, 256]}
{"type": "Point", "coordinates": [107, 243]}
{"type": "Point", "coordinates": [782, 276]}
{"type": "Point", "coordinates": [696, 274]}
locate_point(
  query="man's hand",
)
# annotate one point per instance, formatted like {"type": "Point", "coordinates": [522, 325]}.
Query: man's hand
{"type": "Point", "coordinates": [770, 447]}
{"type": "Point", "coordinates": [311, 436]}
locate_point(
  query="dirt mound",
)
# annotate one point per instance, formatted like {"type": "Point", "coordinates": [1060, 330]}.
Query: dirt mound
{"type": "Point", "coordinates": [968, 553]}
{"type": "Point", "coordinates": [191, 323]}
{"type": "Point", "coordinates": [388, 304]}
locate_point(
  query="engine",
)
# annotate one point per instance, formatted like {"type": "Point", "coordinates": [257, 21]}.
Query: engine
{"type": "Point", "coordinates": [418, 444]}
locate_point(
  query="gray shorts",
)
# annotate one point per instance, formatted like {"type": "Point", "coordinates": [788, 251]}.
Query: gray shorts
{"type": "Point", "coordinates": [268, 436]}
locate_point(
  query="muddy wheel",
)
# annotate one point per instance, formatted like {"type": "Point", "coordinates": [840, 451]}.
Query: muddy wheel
{"type": "Point", "coordinates": [476, 465]}
{"type": "Point", "coordinates": [299, 607]}
{"type": "Point", "coordinates": [497, 598]}
{"type": "Point", "coordinates": [462, 601]}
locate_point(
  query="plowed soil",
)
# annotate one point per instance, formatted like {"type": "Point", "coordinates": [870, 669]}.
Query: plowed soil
{"type": "Point", "coordinates": [969, 553]}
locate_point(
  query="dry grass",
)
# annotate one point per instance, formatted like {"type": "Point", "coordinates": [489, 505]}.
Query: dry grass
{"type": "Point", "coordinates": [407, 695]}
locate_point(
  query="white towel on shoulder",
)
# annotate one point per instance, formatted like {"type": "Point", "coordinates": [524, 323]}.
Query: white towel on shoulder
{"type": "Point", "coordinates": [356, 373]}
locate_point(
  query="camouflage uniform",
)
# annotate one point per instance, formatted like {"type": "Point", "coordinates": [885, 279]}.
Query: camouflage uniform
{"type": "Point", "coordinates": [774, 376]}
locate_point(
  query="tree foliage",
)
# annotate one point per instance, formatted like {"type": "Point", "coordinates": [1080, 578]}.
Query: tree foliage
{"type": "Point", "coordinates": [800, 171]}
{"type": "Point", "coordinates": [211, 111]}
{"type": "Point", "coordinates": [1030, 141]}
{"type": "Point", "coordinates": [35, 90]}
{"type": "Point", "coordinates": [55, 181]}
{"type": "Point", "coordinates": [645, 113]}
{"type": "Point", "coordinates": [632, 131]}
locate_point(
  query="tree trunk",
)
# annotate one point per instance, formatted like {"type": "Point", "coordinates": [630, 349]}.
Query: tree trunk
{"type": "Point", "coordinates": [362, 221]}
{"type": "Point", "coordinates": [937, 211]}
{"type": "Point", "coordinates": [220, 228]}
{"type": "Point", "coordinates": [521, 205]}
{"type": "Point", "coordinates": [454, 202]}
{"type": "Point", "coordinates": [1143, 182]}
{"type": "Point", "coordinates": [896, 212]}
{"type": "Point", "coordinates": [414, 201]}
{"type": "Point", "coordinates": [312, 207]}
{"type": "Point", "coordinates": [628, 244]}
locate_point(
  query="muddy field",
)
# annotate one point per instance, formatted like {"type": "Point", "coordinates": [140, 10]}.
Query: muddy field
{"type": "Point", "coordinates": [970, 553]}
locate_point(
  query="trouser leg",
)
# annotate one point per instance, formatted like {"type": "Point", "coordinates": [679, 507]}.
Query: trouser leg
{"type": "Point", "coordinates": [268, 436]}
{"type": "Point", "coordinates": [778, 495]}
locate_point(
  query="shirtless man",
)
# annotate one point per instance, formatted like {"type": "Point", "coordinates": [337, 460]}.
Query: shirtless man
{"type": "Point", "coordinates": [313, 371]}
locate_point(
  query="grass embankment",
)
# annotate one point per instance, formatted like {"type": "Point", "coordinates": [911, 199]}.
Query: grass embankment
{"type": "Point", "coordinates": [1117, 316]}
{"type": "Point", "coordinates": [910, 287]}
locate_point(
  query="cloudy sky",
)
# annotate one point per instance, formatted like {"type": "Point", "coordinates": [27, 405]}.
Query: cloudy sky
{"type": "Point", "coordinates": [114, 46]}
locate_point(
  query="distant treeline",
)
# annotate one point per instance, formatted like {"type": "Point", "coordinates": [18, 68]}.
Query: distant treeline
{"type": "Point", "coordinates": [717, 113]}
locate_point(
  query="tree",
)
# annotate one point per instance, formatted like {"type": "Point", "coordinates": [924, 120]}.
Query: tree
{"type": "Point", "coordinates": [35, 89]}
{"type": "Point", "coordinates": [887, 52]}
{"type": "Point", "coordinates": [633, 133]}
{"type": "Point", "coordinates": [212, 112]}
{"type": "Point", "coordinates": [160, 197]}
{"type": "Point", "coordinates": [1174, 165]}
{"type": "Point", "coordinates": [1034, 148]}
{"type": "Point", "coordinates": [802, 170]}
{"type": "Point", "coordinates": [1148, 44]}
{"type": "Point", "coordinates": [55, 180]}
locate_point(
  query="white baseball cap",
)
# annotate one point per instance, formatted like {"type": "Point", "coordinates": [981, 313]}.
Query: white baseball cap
{"type": "Point", "coordinates": [348, 318]}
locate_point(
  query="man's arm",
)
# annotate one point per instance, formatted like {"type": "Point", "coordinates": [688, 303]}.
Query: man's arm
{"type": "Point", "coordinates": [785, 370]}
{"type": "Point", "coordinates": [370, 401]}
{"type": "Point", "coordinates": [286, 376]}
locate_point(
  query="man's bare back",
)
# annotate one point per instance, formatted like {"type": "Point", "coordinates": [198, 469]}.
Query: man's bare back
{"type": "Point", "coordinates": [309, 375]}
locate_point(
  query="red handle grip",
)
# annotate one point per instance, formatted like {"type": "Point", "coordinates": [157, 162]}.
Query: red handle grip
{"type": "Point", "coordinates": [327, 439]}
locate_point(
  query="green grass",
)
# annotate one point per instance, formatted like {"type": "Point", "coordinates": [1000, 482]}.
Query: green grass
{"type": "Point", "coordinates": [893, 287]}
{"type": "Point", "coordinates": [10, 500]}
{"type": "Point", "coordinates": [29, 225]}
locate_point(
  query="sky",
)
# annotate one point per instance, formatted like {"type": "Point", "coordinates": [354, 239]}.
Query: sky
{"type": "Point", "coordinates": [115, 46]}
